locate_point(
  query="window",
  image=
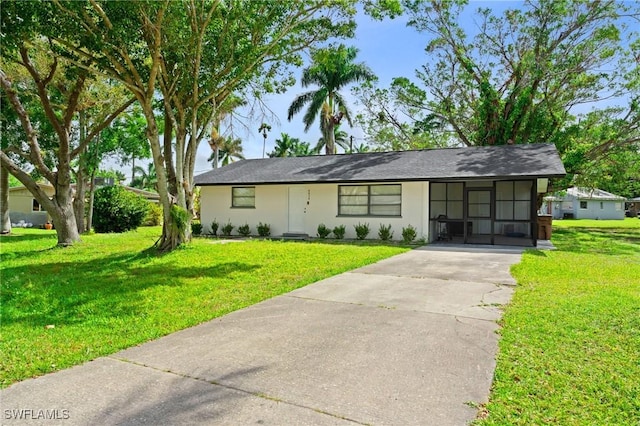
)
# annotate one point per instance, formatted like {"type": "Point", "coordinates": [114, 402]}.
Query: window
{"type": "Point", "coordinates": [446, 199]}
{"type": "Point", "coordinates": [583, 204]}
{"type": "Point", "coordinates": [369, 200]}
{"type": "Point", "coordinates": [36, 207]}
{"type": "Point", "coordinates": [243, 197]}
{"type": "Point", "coordinates": [601, 205]}
{"type": "Point", "coordinates": [513, 200]}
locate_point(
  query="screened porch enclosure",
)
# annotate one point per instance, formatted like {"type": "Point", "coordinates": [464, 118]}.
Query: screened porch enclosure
{"type": "Point", "coordinates": [484, 212]}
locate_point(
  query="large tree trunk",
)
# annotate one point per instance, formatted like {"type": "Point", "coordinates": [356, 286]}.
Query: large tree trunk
{"type": "Point", "coordinates": [92, 193]}
{"type": "Point", "coordinates": [5, 220]}
{"type": "Point", "coordinates": [64, 221]}
{"type": "Point", "coordinates": [78, 200]}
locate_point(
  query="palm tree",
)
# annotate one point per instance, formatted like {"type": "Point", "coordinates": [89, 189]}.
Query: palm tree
{"type": "Point", "coordinates": [216, 141]}
{"type": "Point", "coordinates": [331, 69]}
{"type": "Point", "coordinates": [286, 146]}
{"type": "Point", "coordinates": [231, 150]}
{"type": "Point", "coordinates": [283, 146]}
{"type": "Point", "coordinates": [147, 179]}
{"type": "Point", "coordinates": [339, 137]}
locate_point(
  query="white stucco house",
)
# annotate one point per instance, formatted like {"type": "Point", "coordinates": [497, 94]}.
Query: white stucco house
{"type": "Point", "coordinates": [585, 203]}
{"type": "Point", "coordinates": [24, 209]}
{"type": "Point", "coordinates": [473, 195]}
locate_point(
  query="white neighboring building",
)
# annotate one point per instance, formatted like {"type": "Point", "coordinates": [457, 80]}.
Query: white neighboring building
{"type": "Point", "coordinates": [585, 203]}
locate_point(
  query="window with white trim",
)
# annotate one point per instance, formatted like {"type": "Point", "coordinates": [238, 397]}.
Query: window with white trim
{"type": "Point", "coordinates": [370, 200]}
{"type": "Point", "coordinates": [583, 204]}
{"type": "Point", "coordinates": [243, 197]}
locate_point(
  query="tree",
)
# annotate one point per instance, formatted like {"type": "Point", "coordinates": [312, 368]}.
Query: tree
{"type": "Point", "coordinates": [331, 69]}
{"type": "Point", "coordinates": [5, 220]}
{"type": "Point", "coordinates": [286, 146]}
{"type": "Point", "coordinates": [230, 151]}
{"type": "Point", "coordinates": [197, 54]}
{"type": "Point", "coordinates": [126, 139]}
{"type": "Point", "coordinates": [217, 139]}
{"type": "Point", "coordinates": [396, 118]}
{"type": "Point", "coordinates": [340, 138]}
{"type": "Point", "coordinates": [45, 93]}
{"type": "Point", "coordinates": [520, 77]}
{"type": "Point", "coordinates": [147, 179]}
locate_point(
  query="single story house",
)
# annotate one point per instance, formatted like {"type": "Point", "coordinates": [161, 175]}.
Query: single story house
{"type": "Point", "coordinates": [481, 195]}
{"type": "Point", "coordinates": [585, 203]}
{"type": "Point", "coordinates": [25, 211]}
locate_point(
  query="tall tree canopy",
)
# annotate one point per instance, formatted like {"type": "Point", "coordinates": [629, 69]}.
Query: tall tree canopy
{"type": "Point", "coordinates": [526, 75]}
{"type": "Point", "coordinates": [53, 103]}
{"type": "Point", "coordinates": [194, 55]}
{"type": "Point", "coordinates": [331, 70]}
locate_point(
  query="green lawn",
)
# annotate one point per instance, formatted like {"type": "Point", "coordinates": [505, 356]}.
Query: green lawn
{"type": "Point", "coordinates": [63, 306]}
{"type": "Point", "coordinates": [570, 342]}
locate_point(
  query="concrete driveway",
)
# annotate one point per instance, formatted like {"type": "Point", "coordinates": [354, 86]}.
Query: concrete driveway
{"type": "Point", "coordinates": [410, 340]}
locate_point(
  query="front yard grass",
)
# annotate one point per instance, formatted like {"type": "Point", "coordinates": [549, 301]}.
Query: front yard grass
{"type": "Point", "coordinates": [61, 307]}
{"type": "Point", "coordinates": [570, 343]}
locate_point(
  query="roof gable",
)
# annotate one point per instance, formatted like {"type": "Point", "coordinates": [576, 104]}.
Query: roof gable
{"type": "Point", "coordinates": [506, 161]}
{"type": "Point", "coordinates": [592, 194]}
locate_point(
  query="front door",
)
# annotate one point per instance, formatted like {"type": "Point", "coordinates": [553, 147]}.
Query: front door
{"type": "Point", "coordinates": [479, 216]}
{"type": "Point", "coordinates": [298, 198]}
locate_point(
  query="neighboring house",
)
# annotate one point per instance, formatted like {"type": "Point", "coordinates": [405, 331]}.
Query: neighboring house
{"type": "Point", "coordinates": [24, 210]}
{"type": "Point", "coordinates": [472, 195]}
{"type": "Point", "coordinates": [633, 207]}
{"type": "Point", "coordinates": [585, 203]}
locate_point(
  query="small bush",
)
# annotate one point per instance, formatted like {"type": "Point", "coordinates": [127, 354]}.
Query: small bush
{"type": "Point", "coordinates": [362, 230]}
{"type": "Point", "coordinates": [117, 210]}
{"type": "Point", "coordinates": [196, 228]}
{"type": "Point", "coordinates": [214, 227]}
{"type": "Point", "coordinates": [385, 233]}
{"type": "Point", "coordinates": [154, 215]}
{"type": "Point", "coordinates": [264, 229]}
{"type": "Point", "coordinates": [409, 234]}
{"type": "Point", "coordinates": [339, 231]}
{"type": "Point", "coordinates": [323, 231]}
{"type": "Point", "coordinates": [226, 229]}
{"type": "Point", "coordinates": [244, 230]}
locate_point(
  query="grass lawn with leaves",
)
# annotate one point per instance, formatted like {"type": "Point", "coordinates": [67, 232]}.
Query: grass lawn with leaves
{"type": "Point", "coordinates": [570, 343]}
{"type": "Point", "coordinates": [63, 306]}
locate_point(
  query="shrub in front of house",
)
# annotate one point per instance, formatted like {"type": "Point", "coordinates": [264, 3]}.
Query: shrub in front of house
{"type": "Point", "coordinates": [117, 210]}
{"type": "Point", "coordinates": [339, 231]}
{"type": "Point", "coordinates": [226, 229]}
{"type": "Point", "coordinates": [409, 234]}
{"type": "Point", "coordinates": [384, 232]}
{"type": "Point", "coordinates": [196, 228]}
{"type": "Point", "coordinates": [362, 230]}
{"type": "Point", "coordinates": [153, 216]}
{"type": "Point", "coordinates": [244, 230]}
{"type": "Point", "coordinates": [264, 229]}
{"type": "Point", "coordinates": [323, 231]}
{"type": "Point", "coordinates": [214, 227]}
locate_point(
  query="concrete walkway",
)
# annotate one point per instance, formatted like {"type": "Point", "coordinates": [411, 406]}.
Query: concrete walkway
{"type": "Point", "coordinates": [410, 340]}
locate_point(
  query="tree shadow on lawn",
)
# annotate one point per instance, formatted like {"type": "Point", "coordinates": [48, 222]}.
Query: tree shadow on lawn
{"type": "Point", "coordinates": [70, 292]}
{"type": "Point", "coordinates": [13, 238]}
{"type": "Point", "coordinates": [615, 242]}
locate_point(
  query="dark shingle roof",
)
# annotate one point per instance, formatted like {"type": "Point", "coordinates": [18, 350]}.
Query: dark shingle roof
{"type": "Point", "coordinates": [507, 161]}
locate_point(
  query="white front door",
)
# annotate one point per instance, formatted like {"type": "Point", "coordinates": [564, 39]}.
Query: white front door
{"type": "Point", "coordinates": [298, 198]}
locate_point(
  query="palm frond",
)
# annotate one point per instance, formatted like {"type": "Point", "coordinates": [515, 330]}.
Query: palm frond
{"type": "Point", "coordinates": [315, 107]}
{"type": "Point", "coordinates": [298, 103]}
